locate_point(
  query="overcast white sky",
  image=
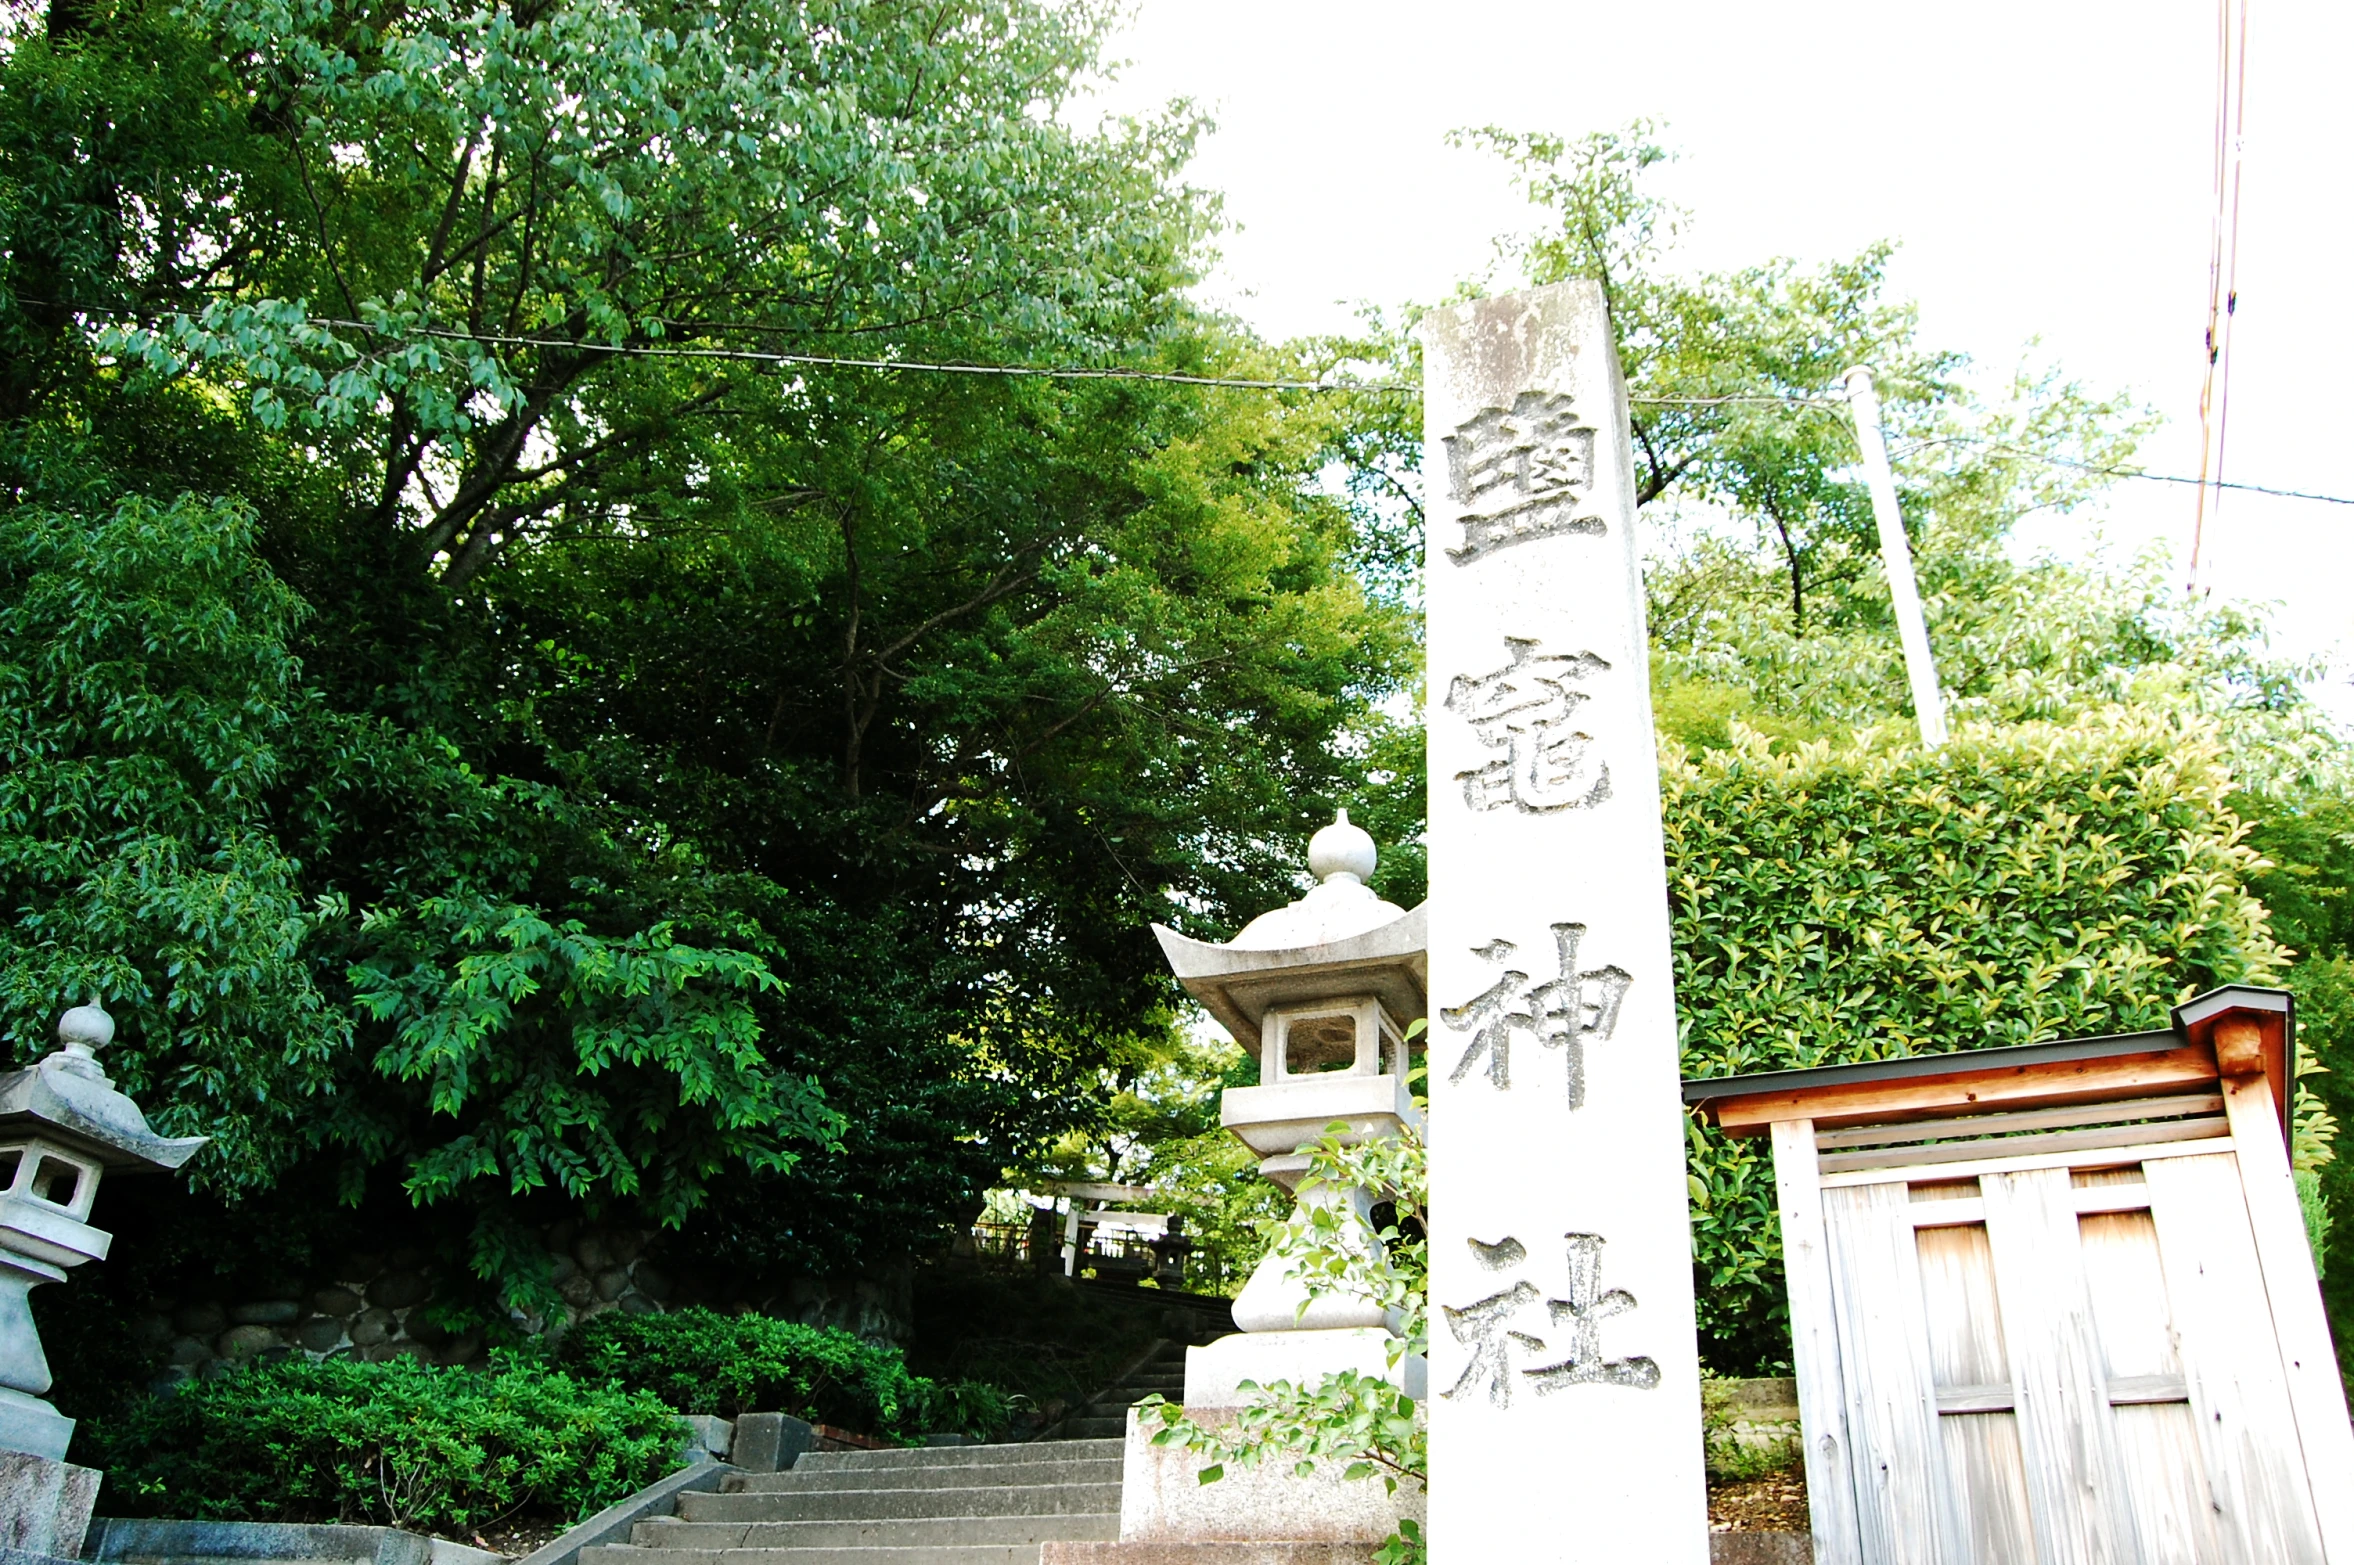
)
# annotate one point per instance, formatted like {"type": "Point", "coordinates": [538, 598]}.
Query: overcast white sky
{"type": "Point", "coordinates": [2045, 165]}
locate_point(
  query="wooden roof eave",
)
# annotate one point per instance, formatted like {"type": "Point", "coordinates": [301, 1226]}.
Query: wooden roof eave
{"type": "Point", "coordinates": [2021, 1076]}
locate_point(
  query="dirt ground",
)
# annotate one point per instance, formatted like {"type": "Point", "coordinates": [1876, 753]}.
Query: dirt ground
{"type": "Point", "coordinates": [513, 1539]}
{"type": "Point", "coordinates": [1774, 1503]}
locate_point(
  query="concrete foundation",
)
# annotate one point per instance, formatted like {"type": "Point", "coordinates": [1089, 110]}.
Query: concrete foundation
{"type": "Point", "coordinates": [1164, 1501]}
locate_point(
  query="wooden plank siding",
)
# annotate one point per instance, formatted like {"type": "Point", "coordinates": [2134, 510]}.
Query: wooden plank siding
{"type": "Point", "coordinates": [2293, 1294]}
{"type": "Point", "coordinates": [2149, 1399]}
{"type": "Point", "coordinates": [2095, 1158]}
{"type": "Point", "coordinates": [2105, 1137]}
{"type": "Point", "coordinates": [2076, 1487]}
{"type": "Point", "coordinates": [1892, 1416]}
{"type": "Point", "coordinates": [2255, 1471]}
{"type": "Point", "coordinates": [1984, 1464]}
{"type": "Point", "coordinates": [1814, 1349]}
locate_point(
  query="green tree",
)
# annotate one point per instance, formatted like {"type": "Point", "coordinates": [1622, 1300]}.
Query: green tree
{"type": "Point", "coordinates": [661, 737]}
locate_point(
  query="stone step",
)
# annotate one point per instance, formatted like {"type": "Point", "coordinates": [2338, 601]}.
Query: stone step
{"type": "Point", "coordinates": [945, 1456]}
{"type": "Point", "coordinates": [883, 1554]}
{"type": "Point", "coordinates": [1090, 1468]}
{"type": "Point", "coordinates": [1087, 1527]}
{"type": "Point", "coordinates": [1094, 1427]}
{"type": "Point", "coordinates": [847, 1504]}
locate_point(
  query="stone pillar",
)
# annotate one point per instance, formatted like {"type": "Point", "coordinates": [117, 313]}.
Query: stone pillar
{"type": "Point", "coordinates": [1564, 1375]}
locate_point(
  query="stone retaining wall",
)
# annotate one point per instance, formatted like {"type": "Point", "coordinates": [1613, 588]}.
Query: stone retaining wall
{"type": "Point", "coordinates": [376, 1305]}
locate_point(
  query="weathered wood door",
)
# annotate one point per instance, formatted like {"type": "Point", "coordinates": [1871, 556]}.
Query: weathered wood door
{"type": "Point", "coordinates": [2066, 1366]}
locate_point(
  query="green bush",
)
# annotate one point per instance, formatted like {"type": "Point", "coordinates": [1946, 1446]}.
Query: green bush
{"type": "Point", "coordinates": [397, 1443]}
{"type": "Point", "coordinates": [700, 1361]}
{"type": "Point", "coordinates": [1865, 903]}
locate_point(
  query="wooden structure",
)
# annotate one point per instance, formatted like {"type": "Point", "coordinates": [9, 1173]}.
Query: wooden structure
{"type": "Point", "coordinates": [2054, 1303]}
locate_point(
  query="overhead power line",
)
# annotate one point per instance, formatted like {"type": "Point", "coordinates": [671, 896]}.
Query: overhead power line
{"type": "Point", "coordinates": [2223, 267]}
{"type": "Point", "coordinates": [1239, 383]}
{"type": "Point", "coordinates": [1018, 371]}
{"type": "Point", "coordinates": [2111, 470]}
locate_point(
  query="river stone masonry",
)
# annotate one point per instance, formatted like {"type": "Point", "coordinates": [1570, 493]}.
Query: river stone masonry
{"type": "Point", "coordinates": [373, 1305]}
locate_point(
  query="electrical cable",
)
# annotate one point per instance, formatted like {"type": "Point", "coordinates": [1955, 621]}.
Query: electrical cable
{"type": "Point", "coordinates": [1387, 388]}
{"type": "Point", "coordinates": [2110, 470]}
{"type": "Point", "coordinates": [2231, 90]}
{"type": "Point", "coordinates": [1021, 371]}
{"type": "Point", "coordinates": [2231, 274]}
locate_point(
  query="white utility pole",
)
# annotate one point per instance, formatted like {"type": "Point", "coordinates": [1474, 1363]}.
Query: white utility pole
{"type": "Point", "coordinates": [1896, 556]}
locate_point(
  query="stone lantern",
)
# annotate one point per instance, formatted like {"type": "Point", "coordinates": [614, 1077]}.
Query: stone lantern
{"type": "Point", "coordinates": [62, 1126]}
{"type": "Point", "coordinates": [1322, 991]}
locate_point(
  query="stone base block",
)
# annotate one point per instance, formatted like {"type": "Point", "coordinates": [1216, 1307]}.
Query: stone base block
{"type": "Point", "coordinates": [44, 1504]}
{"type": "Point", "coordinates": [1213, 1374]}
{"type": "Point", "coordinates": [1206, 1553]}
{"type": "Point", "coordinates": [1164, 1501]}
{"type": "Point", "coordinates": [771, 1442]}
{"type": "Point", "coordinates": [125, 1541]}
{"type": "Point", "coordinates": [706, 1435]}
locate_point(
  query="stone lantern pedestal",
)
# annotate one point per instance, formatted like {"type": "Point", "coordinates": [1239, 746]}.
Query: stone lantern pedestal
{"type": "Point", "coordinates": [63, 1126]}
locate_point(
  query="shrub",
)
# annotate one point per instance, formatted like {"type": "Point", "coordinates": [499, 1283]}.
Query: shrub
{"type": "Point", "coordinates": [700, 1361]}
{"type": "Point", "coordinates": [397, 1443]}
{"type": "Point", "coordinates": [1872, 902]}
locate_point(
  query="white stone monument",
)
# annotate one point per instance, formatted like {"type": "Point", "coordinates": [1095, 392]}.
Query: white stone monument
{"type": "Point", "coordinates": [1564, 1374]}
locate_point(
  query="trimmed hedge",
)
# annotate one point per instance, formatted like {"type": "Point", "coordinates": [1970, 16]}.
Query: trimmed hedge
{"type": "Point", "coordinates": [398, 1443]}
{"type": "Point", "coordinates": [699, 1361]}
{"type": "Point", "coordinates": [1870, 902]}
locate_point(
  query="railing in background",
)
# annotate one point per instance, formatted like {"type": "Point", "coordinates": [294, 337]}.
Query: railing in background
{"type": "Point", "coordinates": [1107, 1254]}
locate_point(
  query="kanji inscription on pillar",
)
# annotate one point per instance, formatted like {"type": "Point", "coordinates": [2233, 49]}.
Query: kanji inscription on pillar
{"type": "Point", "coordinates": [1561, 1012]}
{"type": "Point", "coordinates": [1521, 472]}
{"type": "Point", "coordinates": [1572, 1329]}
{"type": "Point", "coordinates": [1526, 711]}
{"type": "Point", "coordinates": [1565, 1406]}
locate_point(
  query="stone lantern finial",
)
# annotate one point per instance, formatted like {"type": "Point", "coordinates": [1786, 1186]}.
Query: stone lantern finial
{"type": "Point", "coordinates": [81, 1033]}
{"type": "Point", "coordinates": [1339, 905]}
{"type": "Point", "coordinates": [1342, 849]}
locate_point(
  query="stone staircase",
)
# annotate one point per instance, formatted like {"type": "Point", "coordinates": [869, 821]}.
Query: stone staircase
{"type": "Point", "coordinates": [925, 1505]}
{"type": "Point", "coordinates": [1106, 1416]}
{"type": "Point", "coordinates": [930, 1505]}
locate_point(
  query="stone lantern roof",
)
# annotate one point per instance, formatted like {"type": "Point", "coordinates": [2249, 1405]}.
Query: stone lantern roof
{"type": "Point", "coordinates": [1339, 939]}
{"type": "Point", "coordinates": [67, 1097]}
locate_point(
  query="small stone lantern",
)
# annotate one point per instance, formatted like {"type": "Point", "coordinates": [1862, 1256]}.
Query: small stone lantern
{"type": "Point", "coordinates": [1323, 991]}
{"type": "Point", "coordinates": [62, 1126]}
